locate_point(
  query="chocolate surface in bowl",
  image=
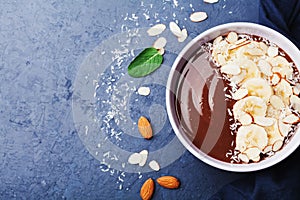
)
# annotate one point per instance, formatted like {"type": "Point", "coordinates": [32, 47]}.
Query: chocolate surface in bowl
{"type": "Point", "coordinates": [198, 106]}
{"type": "Point", "coordinates": [201, 108]}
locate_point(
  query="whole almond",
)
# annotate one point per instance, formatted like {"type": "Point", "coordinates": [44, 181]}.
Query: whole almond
{"type": "Point", "coordinates": [170, 182]}
{"type": "Point", "coordinates": [144, 127]}
{"type": "Point", "coordinates": [147, 189]}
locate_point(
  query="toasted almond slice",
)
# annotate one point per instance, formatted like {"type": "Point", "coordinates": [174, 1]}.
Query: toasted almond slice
{"type": "Point", "coordinates": [198, 16]}
{"type": "Point", "coordinates": [232, 37]}
{"type": "Point", "coordinates": [240, 93]}
{"type": "Point", "coordinates": [264, 121]}
{"type": "Point", "coordinates": [144, 91]}
{"type": "Point", "coordinates": [272, 51]}
{"type": "Point", "coordinates": [243, 157]}
{"type": "Point", "coordinates": [231, 69]}
{"type": "Point", "coordinates": [153, 164]}
{"type": "Point", "coordinates": [240, 41]}
{"type": "Point", "coordinates": [144, 156]}
{"type": "Point", "coordinates": [277, 145]}
{"type": "Point", "coordinates": [160, 43]}
{"type": "Point", "coordinates": [275, 78]}
{"type": "Point", "coordinates": [175, 29]}
{"type": "Point", "coordinates": [284, 129]}
{"type": "Point", "coordinates": [217, 40]}
{"type": "Point", "coordinates": [263, 46]}
{"type": "Point", "coordinates": [134, 158]}
{"type": "Point", "coordinates": [246, 119]}
{"type": "Point", "coordinates": [276, 102]}
{"type": "Point", "coordinates": [156, 29]}
{"type": "Point", "coordinates": [235, 46]}
{"type": "Point", "coordinates": [254, 51]}
{"type": "Point", "coordinates": [221, 59]}
{"type": "Point", "coordinates": [291, 119]}
{"type": "Point", "coordinates": [296, 89]}
{"type": "Point", "coordinates": [161, 51]}
{"type": "Point", "coordinates": [265, 67]}
{"type": "Point", "coordinates": [183, 35]}
{"type": "Point", "coordinates": [256, 159]}
{"type": "Point", "coordinates": [295, 102]}
{"type": "Point", "coordinates": [252, 153]}
{"type": "Point", "coordinates": [211, 1]}
{"type": "Point", "coordinates": [267, 149]}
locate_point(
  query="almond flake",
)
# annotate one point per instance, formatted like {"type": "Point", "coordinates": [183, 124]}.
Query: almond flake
{"type": "Point", "coordinates": [134, 159]}
{"type": "Point", "coordinates": [211, 1]}
{"type": "Point", "coordinates": [267, 149]}
{"type": "Point", "coordinates": [276, 102]}
{"type": "Point", "coordinates": [221, 59]}
{"type": "Point", "coordinates": [284, 129]}
{"type": "Point", "coordinates": [156, 29]}
{"type": "Point", "coordinates": [295, 102]}
{"type": "Point", "coordinates": [291, 119]}
{"type": "Point", "coordinates": [231, 69]}
{"type": "Point", "coordinates": [254, 51]}
{"type": "Point", "coordinates": [264, 121]}
{"type": "Point", "coordinates": [275, 78]}
{"type": "Point", "coordinates": [243, 157]}
{"type": "Point", "coordinates": [175, 29]}
{"type": "Point", "coordinates": [183, 35]}
{"type": "Point", "coordinates": [265, 67]}
{"type": "Point", "coordinates": [232, 37]}
{"type": "Point", "coordinates": [217, 40]}
{"type": "Point", "coordinates": [277, 145]}
{"type": "Point", "coordinates": [160, 43]}
{"type": "Point", "coordinates": [296, 89]}
{"type": "Point", "coordinates": [144, 156]}
{"type": "Point", "coordinates": [144, 91]}
{"type": "Point", "coordinates": [153, 164]}
{"type": "Point", "coordinates": [252, 153]}
{"type": "Point", "coordinates": [161, 51]}
{"type": "Point", "coordinates": [272, 51]}
{"type": "Point", "coordinates": [235, 46]}
{"type": "Point", "coordinates": [198, 16]}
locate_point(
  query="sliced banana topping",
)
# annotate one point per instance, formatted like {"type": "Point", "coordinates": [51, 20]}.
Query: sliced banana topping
{"type": "Point", "coordinates": [265, 92]}
{"type": "Point", "coordinates": [252, 105]}
{"type": "Point", "coordinates": [258, 87]}
{"type": "Point", "coordinates": [251, 136]}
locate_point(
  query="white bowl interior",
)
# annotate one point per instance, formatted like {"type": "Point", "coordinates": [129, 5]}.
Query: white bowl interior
{"type": "Point", "coordinates": [239, 27]}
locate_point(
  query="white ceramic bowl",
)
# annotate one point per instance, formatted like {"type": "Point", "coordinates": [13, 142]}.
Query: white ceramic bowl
{"type": "Point", "coordinates": [174, 76]}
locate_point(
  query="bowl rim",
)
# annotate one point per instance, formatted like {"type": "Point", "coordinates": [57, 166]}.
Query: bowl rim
{"type": "Point", "coordinates": [278, 156]}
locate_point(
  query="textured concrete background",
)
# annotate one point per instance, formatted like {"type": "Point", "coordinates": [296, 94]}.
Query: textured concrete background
{"type": "Point", "coordinates": [42, 46]}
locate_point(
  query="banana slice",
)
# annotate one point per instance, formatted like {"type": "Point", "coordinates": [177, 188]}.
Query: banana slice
{"type": "Point", "coordinates": [258, 87]}
{"type": "Point", "coordinates": [251, 136]}
{"type": "Point", "coordinates": [250, 68]}
{"type": "Point", "coordinates": [284, 90]}
{"type": "Point", "coordinates": [273, 133]}
{"type": "Point", "coordinates": [240, 93]}
{"type": "Point", "coordinates": [251, 105]}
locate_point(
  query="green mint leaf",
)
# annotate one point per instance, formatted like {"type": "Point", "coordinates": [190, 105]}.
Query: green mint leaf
{"type": "Point", "coordinates": [145, 63]}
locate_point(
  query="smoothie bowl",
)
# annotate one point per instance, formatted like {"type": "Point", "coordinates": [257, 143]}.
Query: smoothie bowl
{"type": "Point", "coordinates": [233, 97]}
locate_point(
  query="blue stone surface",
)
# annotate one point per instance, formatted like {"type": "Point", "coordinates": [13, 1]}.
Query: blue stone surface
{"type": "Point", "coordinates": [44, 49]}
